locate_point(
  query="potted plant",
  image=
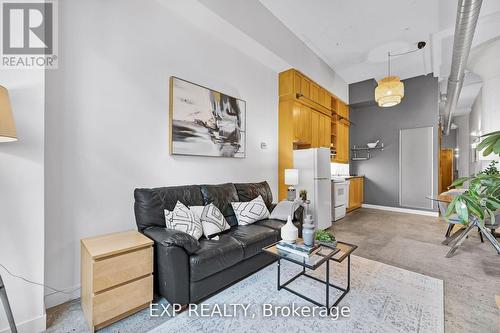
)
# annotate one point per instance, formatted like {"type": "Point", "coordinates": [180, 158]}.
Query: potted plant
{"type": "Point", "coordinates": [482, 198]}
{"type": "Point", "coordinates": [303, 195]}
{"type": "Point", "coordinates": [326, 238]}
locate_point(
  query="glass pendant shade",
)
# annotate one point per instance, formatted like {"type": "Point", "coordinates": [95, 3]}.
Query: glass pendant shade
{"type": "Point", "coordinates": [7, 127]}
{"type": "Point", "coordinates": [389, 92]}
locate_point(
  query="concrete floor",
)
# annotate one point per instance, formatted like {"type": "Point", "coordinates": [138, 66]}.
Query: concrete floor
{"type": "Point", "coordinates": [413, 242]}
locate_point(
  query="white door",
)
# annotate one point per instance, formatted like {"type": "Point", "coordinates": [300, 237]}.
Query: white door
{"type": "Point", "coordinates": [416, 165]}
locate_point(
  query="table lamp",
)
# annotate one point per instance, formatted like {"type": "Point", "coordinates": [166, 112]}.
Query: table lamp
{"type": "Point", "coordinates": [291, 179]}
{"type": "Point", "coordinates": [7, 134]}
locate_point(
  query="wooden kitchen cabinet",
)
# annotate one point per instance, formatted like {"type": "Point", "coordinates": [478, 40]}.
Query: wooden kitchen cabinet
{"type": "Point", "coordinates": [325, 131]}
{"type": "Point", "coordinates": [320, 130]}
{"type": "Point", "coordinates": [315, 133]}
{"type": "Point", "coordinates": [341, 139]}
{"type": "Point", "coordinates": [305, 87]}
{"type": "Point", "coordinates": [356, 193]}
{"type": "Point", "coordinates": [315, 92]}
{"type": "Point", "coordinates": [302, 124]}
{"type": "Point", "coordinates": [305, 119]}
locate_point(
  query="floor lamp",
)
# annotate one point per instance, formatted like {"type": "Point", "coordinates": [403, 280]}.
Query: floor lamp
{"type": "Point", "coordinates": [7, 134]}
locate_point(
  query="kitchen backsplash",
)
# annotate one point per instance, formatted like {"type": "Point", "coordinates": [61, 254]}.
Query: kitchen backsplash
{"type": "Point", "coordinates": [339, 169]}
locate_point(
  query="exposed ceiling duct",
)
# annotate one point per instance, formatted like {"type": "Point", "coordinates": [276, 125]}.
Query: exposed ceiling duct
{"type": "Point", "coordinates": [467, 16]}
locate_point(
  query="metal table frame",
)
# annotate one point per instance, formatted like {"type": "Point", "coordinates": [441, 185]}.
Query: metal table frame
{"type": "Point", "coordinates": [329, 257]}
{"type": "Point", "coordinates": [457, 238]}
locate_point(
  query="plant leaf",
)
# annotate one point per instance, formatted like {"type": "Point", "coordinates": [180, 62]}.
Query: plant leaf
{"type": "Point", "coordinates": [459, 181]}
{"type": "Point", "coordinates": [461, 210]}
{"type": "Point", "coordinates": [494, 202]}
{"type": "Point", "coordinates": [496, 148]}
{"type": "Point", "coordinates": [490, 138]}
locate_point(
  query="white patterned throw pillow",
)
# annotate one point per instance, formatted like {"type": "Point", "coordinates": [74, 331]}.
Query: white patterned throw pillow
{"type": "Point", "coordinates": [212, 220]}
{"type": "Point", "coordinates": [251, 211]}
{"type": "Point", "coordinates": [168, 218]}
{"type": "Point", "coordinates": [183, 219]}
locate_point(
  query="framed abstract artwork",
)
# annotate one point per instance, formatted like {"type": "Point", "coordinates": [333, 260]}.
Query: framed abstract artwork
{"type": "Point", "coordinates": [205, 122]}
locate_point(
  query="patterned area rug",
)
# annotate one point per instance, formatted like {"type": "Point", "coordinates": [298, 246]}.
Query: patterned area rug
{"type": "Point", "coordinates": [383, 298]}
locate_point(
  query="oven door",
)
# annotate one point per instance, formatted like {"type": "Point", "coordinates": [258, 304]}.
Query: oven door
{"type": "Point", "coordinates": [340, 194]}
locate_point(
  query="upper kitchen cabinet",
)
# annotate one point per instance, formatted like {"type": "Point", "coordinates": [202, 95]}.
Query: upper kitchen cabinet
{"type": "Point", "coordinates": [340, 140]}
{"type": "Point", "coordinates": [320, 130]}
{"type": "Point", "coordinates": [302, 124]}
{"type": "Point", "coordinates": [307, 119]}
{"type": "Point", "coordinates": [295, 85]}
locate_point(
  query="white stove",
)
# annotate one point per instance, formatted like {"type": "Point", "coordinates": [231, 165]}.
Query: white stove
{"type": "Point", "coordinates": [340, 195]}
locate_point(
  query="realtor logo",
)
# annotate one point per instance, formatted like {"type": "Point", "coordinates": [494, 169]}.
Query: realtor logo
{"type": "Point", "coordinates": [29, 34]}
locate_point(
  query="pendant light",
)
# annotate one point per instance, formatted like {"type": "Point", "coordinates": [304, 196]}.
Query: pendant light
{"type": "Point", "coordinates": [390, 89]}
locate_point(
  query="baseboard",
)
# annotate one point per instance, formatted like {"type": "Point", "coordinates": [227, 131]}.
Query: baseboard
{"type": "Point", "coordinates": [35, 325]}
{"type": "Point", "coordinates": [402, 210]}
{"type": "Point", "coordinates": [60, 298]}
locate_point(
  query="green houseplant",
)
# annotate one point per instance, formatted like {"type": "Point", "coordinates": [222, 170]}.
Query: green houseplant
{"type": "Point", "coordinates": [482, 198]}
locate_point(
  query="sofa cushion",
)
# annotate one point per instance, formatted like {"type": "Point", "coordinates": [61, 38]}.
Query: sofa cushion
{"type": "Point", "coordinates": [253, 238]}
{"type": "Point", "coordinates": [250, 191]}
{"type": "Point", "coordinates": [276, 224]}
{"type": "Point", "coordinates": [221, 196]}
{"type": "Point", "coordinates": [214, 256]}
{"type": "Point", "coordinates": [150, 203]}
{"type": "Point", "coordinates": [271, 223]}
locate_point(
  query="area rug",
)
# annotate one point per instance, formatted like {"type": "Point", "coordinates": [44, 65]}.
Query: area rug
{"type": "Point", "coordinates": [383, 298]}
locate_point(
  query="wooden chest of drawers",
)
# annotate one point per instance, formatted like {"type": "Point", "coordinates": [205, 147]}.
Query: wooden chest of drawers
{"type": "Point", "coordinates": [116, 276]}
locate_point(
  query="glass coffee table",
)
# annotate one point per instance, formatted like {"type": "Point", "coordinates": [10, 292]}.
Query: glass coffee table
{"type": "Point", "coordinates": [323, 256]}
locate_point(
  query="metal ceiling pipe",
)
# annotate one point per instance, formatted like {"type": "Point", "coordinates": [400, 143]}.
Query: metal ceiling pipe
{"type": "Point", "coordinates": [465, 26]}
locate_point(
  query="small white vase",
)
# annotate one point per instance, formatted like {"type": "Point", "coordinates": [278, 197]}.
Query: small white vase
{"type": "Point", "coordinates": [289, 231]}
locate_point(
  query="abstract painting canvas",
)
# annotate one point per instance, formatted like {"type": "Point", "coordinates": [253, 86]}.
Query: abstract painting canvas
{"type": "Point", "coordinates": [205, 122]}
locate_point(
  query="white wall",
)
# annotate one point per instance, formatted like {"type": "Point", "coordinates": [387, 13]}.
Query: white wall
{"type": "Point", "coordinates": [255, 20]}
{"type": "Point", "coordinates": [463, 144]}
{"type": "Point", "coordinates": [485, 115]}
{"type": "Point", "coordinates": [107, 120]}
{"type": "Point", "coordinates": [484, 118]}
{"type": "Point", "coordinates": [21, 201]}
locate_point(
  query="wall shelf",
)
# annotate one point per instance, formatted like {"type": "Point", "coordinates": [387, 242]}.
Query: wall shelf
{"type": "Point", "coordinates": [368, 151]}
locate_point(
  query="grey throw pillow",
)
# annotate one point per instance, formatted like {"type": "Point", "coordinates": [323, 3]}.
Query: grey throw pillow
{"type": "Point", "coordinates": [285, 208]}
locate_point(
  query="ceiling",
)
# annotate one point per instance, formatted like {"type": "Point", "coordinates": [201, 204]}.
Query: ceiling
{"type": "Point", "coordinates": [353, 37]}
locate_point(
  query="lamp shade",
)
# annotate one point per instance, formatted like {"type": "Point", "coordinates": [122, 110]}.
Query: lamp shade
{"type": "Point", "coordinates": [7, 127]}
{"type": "Point", "coordinates": [291, 177]}
{"type": "Point", "coordinates": [389, 92]}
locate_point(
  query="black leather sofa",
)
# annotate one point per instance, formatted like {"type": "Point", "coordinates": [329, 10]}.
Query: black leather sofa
{"type": "Point", "coordinates": [187, 270]}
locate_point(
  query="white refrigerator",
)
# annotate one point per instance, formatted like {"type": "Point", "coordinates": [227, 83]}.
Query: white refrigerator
{"type": "Point", "coordinates": [314, 177]}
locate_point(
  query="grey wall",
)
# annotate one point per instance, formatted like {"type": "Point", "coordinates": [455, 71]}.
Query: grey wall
{"type": "Point", "coordinates": [361, 94]}
{"type": "Point", "coordinates": [419, 108]}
